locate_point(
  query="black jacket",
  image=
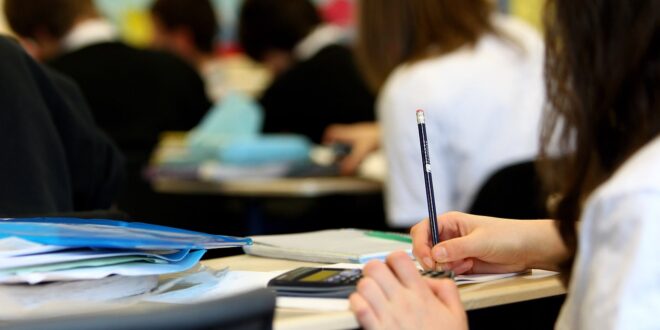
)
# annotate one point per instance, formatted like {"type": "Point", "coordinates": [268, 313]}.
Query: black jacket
{"type": "Point", "coordinates": [322, 90]}
{"type": "Point", "coordinates": [53, 158]}
{"type": "Point", "coordinates": [136, 94]}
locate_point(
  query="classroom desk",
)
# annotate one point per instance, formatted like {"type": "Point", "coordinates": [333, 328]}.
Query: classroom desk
{"type": "Point", "coordinates": [284, 187]}
{"type": "Point", "coordinates": [474, 296]}
{"type": "Point", "coordinates": [172, 144]}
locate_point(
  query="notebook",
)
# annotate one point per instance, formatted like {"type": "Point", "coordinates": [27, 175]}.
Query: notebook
{"type": "Point", "coordinates": [329, 246]}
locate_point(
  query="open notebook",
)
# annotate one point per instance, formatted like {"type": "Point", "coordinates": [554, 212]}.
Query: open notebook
{"type": "Point", "coordinates": [328, 246]}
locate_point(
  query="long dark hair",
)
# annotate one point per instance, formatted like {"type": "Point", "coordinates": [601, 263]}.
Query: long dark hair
{"type": "Point", "coordinates": [602, 75]}
{"type": "Point", "coordinates": [394, 32]}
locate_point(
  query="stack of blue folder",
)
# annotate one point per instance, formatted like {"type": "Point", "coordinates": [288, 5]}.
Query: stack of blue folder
{"type": "Point", "coordinates": [39, 250]}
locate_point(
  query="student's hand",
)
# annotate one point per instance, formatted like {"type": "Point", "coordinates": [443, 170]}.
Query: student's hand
{"type": "Point", "coordinates": [395, 296]}
{"type": "Point", "coordinates": [476, 244]}
{"type": "Point", "coordinates": [364, 138]}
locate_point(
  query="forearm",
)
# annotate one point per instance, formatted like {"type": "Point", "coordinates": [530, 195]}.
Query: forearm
{"type": "Point", "coordinates": [545, 245]}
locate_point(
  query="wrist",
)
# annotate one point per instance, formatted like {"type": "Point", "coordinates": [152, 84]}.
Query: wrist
{"type": "Point", "coordinates": [545, 245]}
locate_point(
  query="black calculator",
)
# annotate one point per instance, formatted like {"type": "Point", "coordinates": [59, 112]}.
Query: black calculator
{"type": "Point", "coordinates": [326, 282]}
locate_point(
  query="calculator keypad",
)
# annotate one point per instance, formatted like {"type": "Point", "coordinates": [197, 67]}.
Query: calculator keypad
{"type": "Point", "coordinates": [348, 276]}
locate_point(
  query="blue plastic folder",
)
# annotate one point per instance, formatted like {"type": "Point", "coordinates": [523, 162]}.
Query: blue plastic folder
{"type": "Point", "coordinates": [97, 233]}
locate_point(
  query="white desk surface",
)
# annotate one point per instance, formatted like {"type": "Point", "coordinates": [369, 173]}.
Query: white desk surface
{"type": "Point", "coordinates": [474, 296]}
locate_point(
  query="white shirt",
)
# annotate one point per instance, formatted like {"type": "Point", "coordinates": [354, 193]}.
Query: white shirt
{"type": "Point", "coordinates": [483, 107]}
{"type": "Point", "coordinates": [616, 275]}
{"type": "Point", "coordinates": [89, 32]}
{"type": "Point", "coordinates": [322, 36]}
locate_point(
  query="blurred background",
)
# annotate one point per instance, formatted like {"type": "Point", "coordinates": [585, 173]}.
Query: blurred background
{"type": "Point", "coordinates": [132, 17]}
{"type": "Point", "coordinates": [228, 214]}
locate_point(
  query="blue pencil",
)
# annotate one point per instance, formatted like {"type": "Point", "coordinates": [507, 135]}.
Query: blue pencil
{"type": "Point", "coordinates": [428, 178]}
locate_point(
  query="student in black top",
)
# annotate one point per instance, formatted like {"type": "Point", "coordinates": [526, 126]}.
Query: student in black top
{"type": "Point", "coordinates": [53, 158]}
{"type": "Point", "coordinates": [316, 80]}
{"type": "Point", "coordinates": [190, 30]}
{"type": "Point", "coordinates": [134, 94]}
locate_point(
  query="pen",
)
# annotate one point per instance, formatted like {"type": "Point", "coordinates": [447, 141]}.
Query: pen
{"type": "Point", "coordinates": [428, 179]}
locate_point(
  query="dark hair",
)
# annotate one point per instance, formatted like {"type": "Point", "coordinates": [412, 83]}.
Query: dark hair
{"type": "Point", "coordinates": [394, 32]}
{"type": "Point", "coordinates": [275, 25]}
{"type": "Point", "coordinates": [196, 15]}
{"type": "Point", "coordinates": [56, 17]}
{"type": "Point", "coordinates": [602, 80]}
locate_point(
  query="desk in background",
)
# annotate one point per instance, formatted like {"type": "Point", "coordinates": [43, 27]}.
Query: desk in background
{"type": "Point", "coordinates": [173, 144]}
{"type": "Point", "coordinates": [325, 198]}
{"type": "Point", "coordinates": [474, 296]}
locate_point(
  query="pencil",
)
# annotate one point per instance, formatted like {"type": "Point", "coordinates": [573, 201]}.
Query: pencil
{"type": "Point", "coordinates": [428, 178]}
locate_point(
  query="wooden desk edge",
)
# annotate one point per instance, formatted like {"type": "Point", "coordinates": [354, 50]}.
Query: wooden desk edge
{"type": "Point", "coordinates": [289, 187]}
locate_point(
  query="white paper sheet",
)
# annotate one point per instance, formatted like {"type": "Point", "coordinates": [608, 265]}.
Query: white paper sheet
{"type": "Point", "coordinates": [14, 246]}
{"type": "Point", "coordinates": [317, 304]}
{"type": "Point", "coordinates": [77, 255]}
{"type": "Point", "coordinates": [460, 279]}
{"type": "Point", "coordinates": [128, 269]}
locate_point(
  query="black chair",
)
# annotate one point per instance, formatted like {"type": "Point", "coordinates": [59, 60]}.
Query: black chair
{"type": "Point", "coordinates": [250, 311]}
{"type": "Point", "coordinates": [514, 192]}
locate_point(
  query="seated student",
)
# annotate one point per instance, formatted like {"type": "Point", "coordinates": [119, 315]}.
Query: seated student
{"type": "Point", "coordinates": [316, 81]}
{"type": "Point", "coordinates": [54, 159]}
{"type": "Point", "coordinates": [190, 29]}
{"type": "Point", "coordinates": [477, 75]}
{"type": "Point", "coordinates": [603, 87]}
{"type": "Point", "coordinates": [134, 94]}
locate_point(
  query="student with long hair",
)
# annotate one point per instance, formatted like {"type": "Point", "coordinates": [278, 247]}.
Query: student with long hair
{"type": "Point", "coordinates": [478, 76]}
{"type": "Point", "coordinates": [603, 75]}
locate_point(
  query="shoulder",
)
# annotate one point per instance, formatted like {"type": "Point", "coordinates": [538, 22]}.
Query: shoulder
{"type": "Point", "coordinates": [638, 174]}
{"type": "Point", "coordinates": [520, 31]}
{"type": "Point", "coordinates": [9, 47]}
{"type": "Point", "coordinates": [11, 53]}
{"type": "Point", "coordinates": [631, 197]}
{"type": "Point", "coordinates": [333, 51]}
{"type": "Point", "coordinates": [332, 60]}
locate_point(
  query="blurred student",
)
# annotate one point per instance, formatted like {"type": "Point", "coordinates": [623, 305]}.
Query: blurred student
{"type": "Point", "coordinates": [478, 76]}
{"type": "Point", "coordinates": [189, 29]}
{"type": "Point", "coordinates": [54, 159]}
{"type": "Point", "coordinates": [134, 94]}
{"type": "Point", "coordinates": [604, 107]}
{"type": "Point", "coordinates": [316, 82]}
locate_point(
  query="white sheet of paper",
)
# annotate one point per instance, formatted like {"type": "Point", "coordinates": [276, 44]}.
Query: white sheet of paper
{"type": "Point", "coordinates": [14, 246]}
{"type": "Point", "coordinates": [128, 269]}
{"type": "Point", "coordinates": [460, 279]}
{"type": "Point", "coordinates": [318, 304]}
{"type": "Point", "coordinates": [212, 286]}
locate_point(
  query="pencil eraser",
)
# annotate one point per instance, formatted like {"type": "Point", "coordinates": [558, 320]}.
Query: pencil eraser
{"type": "Point", "coordinates": [420, 116]}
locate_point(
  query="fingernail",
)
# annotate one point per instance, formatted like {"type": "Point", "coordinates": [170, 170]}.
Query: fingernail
{"type": "Point", "coordinates": [428, 262]}
{"type": "Point", "coordinates": [440, 254]}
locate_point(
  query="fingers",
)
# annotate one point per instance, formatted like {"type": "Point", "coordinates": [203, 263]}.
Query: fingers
{"type": "Point", "coordinates": [458, 267]}
{"type": "Point", "coordinates": [373, 295]}
{"type": "Point", "coordinates": [457, 249]}
{"type": "Point", "coordinates": [383, 276]}
{"type": "Point", "coordinates": [350, 164]}
{"type": "Point", "coordinates": [333, 133]}
{"type": "Point", "coordinates": [365, 315]}
{"type": "Point", "coordinates": [405, 270]}
{"type": "Point", "coordinates": [447, 291]}
{"type": "Point", "coordinates": [422, 244]}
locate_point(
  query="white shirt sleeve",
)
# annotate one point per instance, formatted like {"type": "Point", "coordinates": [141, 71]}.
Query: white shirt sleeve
{"type": "Point", "coordinates": [616, 277]}
{"type": "Point", "coordinates": [405, 193]}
